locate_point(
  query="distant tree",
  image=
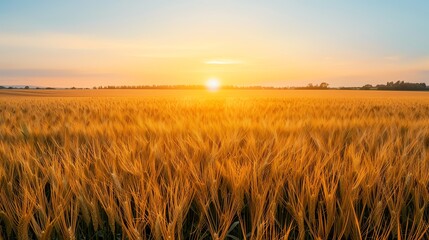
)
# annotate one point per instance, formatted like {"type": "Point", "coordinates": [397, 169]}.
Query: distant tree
{"type": "Point", "coordinates": [324, 85]}
{"type": "Point", "coordinates": [401, 85]}
{"type": "Point", "coordinates": [366, 87]}
{"type": "Point", "coordinates": [27, 87]}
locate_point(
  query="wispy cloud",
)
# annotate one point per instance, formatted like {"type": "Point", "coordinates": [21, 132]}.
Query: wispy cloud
{"type": "Point", "coordinates": [392, 58]}
{"type": "Point", "coordinates": [59, 41]}
{"type": "Point", "coordinates": [223, 62]}
{"type": "Point", "coordinates": [68, 41]}
{"type": "Point", "coordinates": [20, 73]}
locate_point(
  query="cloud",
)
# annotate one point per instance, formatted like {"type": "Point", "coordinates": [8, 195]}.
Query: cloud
{"type": "Point", "coordinates": [67, 41]}
{"type": "Point", "coordinates": [34, 73]}
{"type": "Point", "coordinates": [223, 62]}
{"type": "Point", "coordinates": [392, 58]}
{"type": "Point", "coordinates": [59, 41]}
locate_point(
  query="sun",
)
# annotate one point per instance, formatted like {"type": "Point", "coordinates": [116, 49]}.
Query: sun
{"type": "Point", "coordinates": [213, 84]}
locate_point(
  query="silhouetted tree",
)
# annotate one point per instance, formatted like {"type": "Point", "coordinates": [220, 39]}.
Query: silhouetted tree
{"type": "Point", "coordinates": [366, 87]}
{"type": "Point", "coordinates": [401, 85]}
{"type": "Point", "coordinates": [324, 85]}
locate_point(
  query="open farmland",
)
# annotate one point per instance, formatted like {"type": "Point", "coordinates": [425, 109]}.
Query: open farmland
{"type": "Point", "coordinates": [232, 164]}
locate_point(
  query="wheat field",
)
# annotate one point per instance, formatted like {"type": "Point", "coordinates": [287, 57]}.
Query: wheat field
{"type": "Point", "coordinates": [238, 164]}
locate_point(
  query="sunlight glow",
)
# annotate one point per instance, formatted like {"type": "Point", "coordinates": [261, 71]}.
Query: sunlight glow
{"type": "Point", "coordinates": [213, 84]}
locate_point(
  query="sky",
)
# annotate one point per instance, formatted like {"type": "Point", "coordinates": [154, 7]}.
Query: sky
{"type": "Point", "coordinates": [240, 42]}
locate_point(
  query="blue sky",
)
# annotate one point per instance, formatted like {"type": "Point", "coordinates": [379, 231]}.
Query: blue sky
{"type": "Point", "coordinates": [282, 43]}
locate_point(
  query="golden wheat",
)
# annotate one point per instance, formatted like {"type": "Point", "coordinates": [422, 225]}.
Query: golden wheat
{"type": "Point", "coordinates": [270, 165]}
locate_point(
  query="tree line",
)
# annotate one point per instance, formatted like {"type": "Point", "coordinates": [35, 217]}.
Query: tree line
{"type": "Point", "coordinates": [399, 85]}
{"type": "Point", "coordinates": [393, 86]}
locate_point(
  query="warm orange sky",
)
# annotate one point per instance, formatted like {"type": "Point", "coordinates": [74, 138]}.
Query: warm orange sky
{"type": "Point", "coordinates": [278, 43]}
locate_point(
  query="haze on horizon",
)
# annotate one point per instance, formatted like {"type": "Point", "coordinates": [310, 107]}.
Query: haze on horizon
{"type": "Point", "coordinates": [242, 42]}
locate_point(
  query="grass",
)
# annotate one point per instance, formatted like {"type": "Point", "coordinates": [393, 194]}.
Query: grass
{"type": "Point", "coordinates": [226, 165]}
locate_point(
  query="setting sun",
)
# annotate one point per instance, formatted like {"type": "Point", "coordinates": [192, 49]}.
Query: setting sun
{"type": "Point", "coordinates": [213, 84]}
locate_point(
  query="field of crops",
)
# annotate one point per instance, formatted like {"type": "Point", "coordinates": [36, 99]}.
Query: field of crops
{"type": "Point", "coordinates": [239, 164]}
